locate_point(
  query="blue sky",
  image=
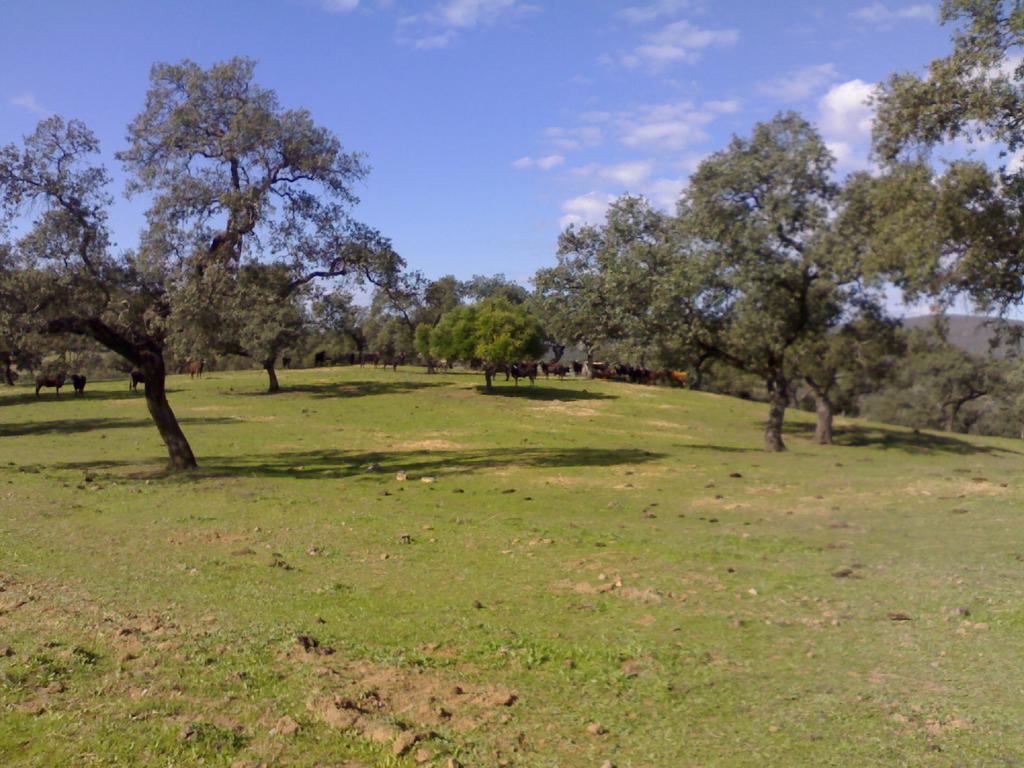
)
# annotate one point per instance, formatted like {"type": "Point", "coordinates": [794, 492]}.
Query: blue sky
{"type": "Point", "coordinates": [489, 124]}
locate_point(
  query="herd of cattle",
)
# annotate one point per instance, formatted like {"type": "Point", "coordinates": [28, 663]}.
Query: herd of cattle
{"type": "Point", "coordinates": [135, 377]}
{"type": "Point", "coordinates": [516, 371]}
{"type": "Point", "coordinates": [58, 381]}
{"type": "Point", "coordinates": [620, 372]}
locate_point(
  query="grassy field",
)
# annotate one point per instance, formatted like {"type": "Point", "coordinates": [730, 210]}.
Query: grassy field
{"type": "Point", "coordinates": [390, 569]}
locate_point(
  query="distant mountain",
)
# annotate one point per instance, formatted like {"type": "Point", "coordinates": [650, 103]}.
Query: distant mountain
{"type": "Point", "coordinates": [972, 333]}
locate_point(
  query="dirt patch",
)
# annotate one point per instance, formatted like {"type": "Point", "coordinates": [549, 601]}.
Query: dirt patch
{"type": "Point", "coordinates": [945, 488]}
{"type": "Point", "coordinates": [645, 595]}
{"type": "Point", "coordinates": [429, 445]}
{"type": "Point", "coordinates": [569, 409]}
{"type": "Point", "coordinates": [370, 699]}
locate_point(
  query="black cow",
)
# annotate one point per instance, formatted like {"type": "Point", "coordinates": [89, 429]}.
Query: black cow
{"type": "Point", "coordinates": [136, 377]}
{"type": "Point", "coordinates": [577, 367]}
{"type": "Point", "coordinates": [78, 382]}
{"type": "Point", "coordinates": [320, 358]}
{"type": "Point", "coordinates": [523, 371]}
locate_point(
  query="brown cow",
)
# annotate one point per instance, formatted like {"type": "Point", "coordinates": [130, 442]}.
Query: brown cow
{"type": "Point", "coordinates": [137, 377]}
{"type": "Point", "coordinates": [195, 368]}
{"type": "Point", "coordinates": [50, 381]}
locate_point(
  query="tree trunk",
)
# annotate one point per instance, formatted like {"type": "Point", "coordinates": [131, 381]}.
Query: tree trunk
{"type": "Point", "coordinates": [951, 418]}
{"type": "Point", "coordinates": [8, 373]}
{"type": "Point", "coordinates": [178, 449]}
{"type": "Point", "coordinates": [778, 397]}
{"type": "Point", "coordinates": [825, 410]}
{"type": "Point", "coordinates": [268, 366]}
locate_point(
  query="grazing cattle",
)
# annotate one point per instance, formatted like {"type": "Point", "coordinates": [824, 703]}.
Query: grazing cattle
{"type": "Point", "coordinates": [523, 371]}
{"type": "Point", "coordinates": [320, 358]}
{"type": "Point", "coordinates": [195, 368]}
{"type": "Point", "coordinates": [394, 362]}
{"type": "Point", "coordinates": [78, 382]}
{"type": "Point", "coordinates": [286, 362]}
{"type": "Point", "coordinates": [368, 357]}
{"type": "Point", "coordinates": [577, 367]}
{"type": "Point", "coordinates": [136, 377]}
{"type": "Point", "coordinates": [558, 370]}
{"type": "Point", "coordinates": [678, 378]}
{"type": "Point", "coordinates": [50, 381]}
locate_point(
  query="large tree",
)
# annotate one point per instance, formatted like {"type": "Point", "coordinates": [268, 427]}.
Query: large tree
{"type": "Point", "coordinates": [237, 179]}
{"type": "Point", "coordinates": [573, 298]}
{"type": "Point", "coordinates": [850, 361]}
{"type": "Point", "coordinates": [976, 92]}
{"type": "Point", "coordinates": [758, 273]}
{"type": "Point", "coordinates": [233, 179]}
{"type": "Point", "coordinates": [495, 331]}
{"type": "Point", "coordinates": [55, 182]}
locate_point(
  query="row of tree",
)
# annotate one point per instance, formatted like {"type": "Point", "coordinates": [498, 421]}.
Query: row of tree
{"type": "Point", "coordinates": [770, 265]}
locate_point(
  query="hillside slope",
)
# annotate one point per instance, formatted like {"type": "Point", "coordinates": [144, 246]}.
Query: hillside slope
{"type": "Point", "coordinates": [377, 569]}
{"type": "Point", "coordinates": [972, 333]}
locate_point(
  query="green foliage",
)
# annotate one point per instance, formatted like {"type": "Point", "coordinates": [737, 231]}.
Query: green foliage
{"type": "Point", "coordinates": [494, 331]}
{"type": "Point", "coordinates": [760, 269]}
{"type": "Point", "coordinates": [975, 241]}
{"type": "Point", "coordinates": [934, 381]}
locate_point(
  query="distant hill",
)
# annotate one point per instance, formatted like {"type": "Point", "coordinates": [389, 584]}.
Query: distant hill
{"type": "Point", "coordinates": [972, 333]}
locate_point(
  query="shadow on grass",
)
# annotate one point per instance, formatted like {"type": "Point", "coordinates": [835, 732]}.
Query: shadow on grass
{"type": "Point", "coordinates": [68, 396]}
{"type": "Point", "coordinates": [528, 392]}
{"type": "Point", "coordinates": [716, 448]}
{"type": "Point", "coordinates": [346, 389]}
{"type": "Point", "coordinates": [70, 426]}
{"type": "Point", "coordinates": [336, 464]}
{"type": "Point", "coordinates": [906, 441]}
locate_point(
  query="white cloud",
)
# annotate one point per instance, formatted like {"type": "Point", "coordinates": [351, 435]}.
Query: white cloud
{"type": "Point", "coordinates": [545, 163]}
{"type": "Point", "coordinates": [639, 14]}
{"type": "Point", "coordinates": [570, 139]}
{"type": "Point", "coordinates": [846, 118]}
{"type": "Point", "coordinates": [843, 153]}
{"type": "Point", "coordinates": [677, 43]}
{"type": "Point", "coordinates": [585, 209]}
{"type": "Point", "coordinates": [628, 175]}
{"type": "Point", "coordinates": [665, 193]}
{"type": "Point", "coordinates": [665, 127]}
{"type": "Point", "coordinates": [29, 103]}
{"type": "Point", "coordinates": [339, 6]}
{"type": "Point", "coordinates": [670, 127]}
{"type": "Point", "coordinates": [845, 111]}
{"type": "Point", "coordinates": [439, 26]}
{"type": "Point", "coordinates": [800, 83]}
{"type": "Point", "coordinates": [1015, 161]}
{"type": "Point", "coordinates": [883, 15]}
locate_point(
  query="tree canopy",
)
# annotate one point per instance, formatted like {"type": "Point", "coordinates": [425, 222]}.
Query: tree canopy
{"type": "Point", "coordinates": [495, 332]}
{"type": "Point", "coordinates": [250, 204]}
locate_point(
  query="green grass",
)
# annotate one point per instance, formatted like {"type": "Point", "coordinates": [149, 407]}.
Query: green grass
{"type": "Point", "coordinates": [607, 553]}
